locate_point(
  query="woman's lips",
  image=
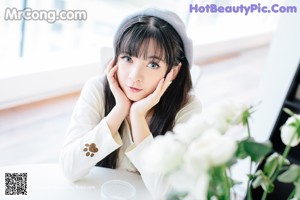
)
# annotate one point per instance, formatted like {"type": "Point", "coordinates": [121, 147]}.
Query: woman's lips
{"type": "Point", "coordinates": [133, 89]}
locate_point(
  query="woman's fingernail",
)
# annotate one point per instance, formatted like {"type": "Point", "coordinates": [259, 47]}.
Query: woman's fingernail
{"type": "Point", "coordinates": [170, 82]}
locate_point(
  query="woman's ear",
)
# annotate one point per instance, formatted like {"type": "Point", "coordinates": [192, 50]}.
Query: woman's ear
{"type": "Point", "coordinates": [176, 69]}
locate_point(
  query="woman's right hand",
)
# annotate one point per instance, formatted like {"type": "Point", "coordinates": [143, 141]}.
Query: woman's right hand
{"type": "Point", "coordinates": [122, 102]}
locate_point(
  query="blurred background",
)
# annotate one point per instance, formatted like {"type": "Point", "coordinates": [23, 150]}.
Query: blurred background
{"type": "Point", "coordinates": [43, 66]}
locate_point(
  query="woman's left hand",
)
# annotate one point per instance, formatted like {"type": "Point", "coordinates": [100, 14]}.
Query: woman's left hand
{"type": "Point", "coordinates": [142, 106]}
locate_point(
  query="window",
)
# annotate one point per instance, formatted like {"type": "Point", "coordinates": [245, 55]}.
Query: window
{"type": "Point", "coordinates": [39, 38]}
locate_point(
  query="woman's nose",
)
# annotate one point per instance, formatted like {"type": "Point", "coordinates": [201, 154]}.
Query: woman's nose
{"type": "Point", "coordinates": [136, 73]}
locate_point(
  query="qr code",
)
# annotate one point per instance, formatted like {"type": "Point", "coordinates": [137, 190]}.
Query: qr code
{"type": "Point", "coordinates": [15, 183]}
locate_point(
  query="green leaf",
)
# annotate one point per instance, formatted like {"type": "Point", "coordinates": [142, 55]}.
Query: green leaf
{"type": "Point", "coordinates": [297, 187]}
{"type": "Point", "coordinates": [231, 162]}
{"type": "Point", "coordinates": [285, 160]}
{"type": "Point", "coordinates": [298, 131]}
{"type": "Point", "coordinates": [263, 181]}
{"type": "Point", "coordinates": [271, 165]}
{"type": "Point", "coordinates": [257, 182]}
{"type": "Point", "coordinates": [245, 116]}
{"type": "Point", "coordinates": [233, 182]}
{"type": "Point", "coordinates": [257, 150]}
{"type": "Point", "coordinates": [267, 184]}
{"type": "Point", "coordinates": [288, 111]}
{"type": "Point", "coordinates": [240, 151]}
{"type": "Point", "coordinates": [290, 175]}
{"type": "Point", "coordinates": [293, 124]}
{"type": "Point", "coordinates": [251, 176]}
{"type": "Point", "coordinates": [215, 182]}
{"type": "Point", "coordinates": [175, 195]}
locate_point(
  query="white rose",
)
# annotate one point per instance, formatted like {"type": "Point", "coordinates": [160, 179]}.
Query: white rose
{"type": "Point", "coordinates": [227, 108]}
{"type": "Point", "coordinates": [238, 114]}
{"type": "Point", "coordinates": [218, 122]}
{"type": "Point", "coordinates": [195, 160]}
{"type": "Point", "coordinates": [224, 151]}
{"type": "Point", "coordinates": [288, 131]}
{"type": "Point", "coordinates": [181, 181]}
{"type": "Point", "coordinates": [225, 114]}
{"type": "Point", "coordinates": [210, 149]}
{"type": "Point", "coordinates": [199, 190]}
{"type": "Point", "coordinates": [164, 154]}
{"type": "Point", "coordinates": [193, 128]}
{"type": "Point", "coordinates": [196, 186]}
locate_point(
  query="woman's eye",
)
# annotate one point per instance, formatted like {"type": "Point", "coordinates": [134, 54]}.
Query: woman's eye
{"type": "Point", "coordinates": [127, 58]}
{"type": "Point", "coordinates": [153, 65]}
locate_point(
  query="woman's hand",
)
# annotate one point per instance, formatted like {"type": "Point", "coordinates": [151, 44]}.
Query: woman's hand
{"type": "Point", "coordinates": [142, 106]}
{"type": "Point", "coordinates": [139, 109]}
{"type": "Point", "coordinates": [122, 102]}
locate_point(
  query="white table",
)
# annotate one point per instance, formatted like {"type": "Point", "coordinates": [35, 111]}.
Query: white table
{"type": "Point", "coordinates": [46, 181]}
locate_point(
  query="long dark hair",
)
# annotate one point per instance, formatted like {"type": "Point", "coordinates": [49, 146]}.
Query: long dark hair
{"type": "Point", "coordinates": [133, 39]}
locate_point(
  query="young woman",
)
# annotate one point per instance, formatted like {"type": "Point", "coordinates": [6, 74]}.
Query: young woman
{"type": "Point", "coordinates": [145, 93]}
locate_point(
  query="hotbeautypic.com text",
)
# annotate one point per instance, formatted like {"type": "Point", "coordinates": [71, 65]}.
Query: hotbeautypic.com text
{"type": "Point", "coordinates": [246, 9]}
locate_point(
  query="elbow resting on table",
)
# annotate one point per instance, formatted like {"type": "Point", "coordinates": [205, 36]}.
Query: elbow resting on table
{"type": "Point", "coordinates": [68, 170]}
{"type": "Point", "coordinates": [71, 176]}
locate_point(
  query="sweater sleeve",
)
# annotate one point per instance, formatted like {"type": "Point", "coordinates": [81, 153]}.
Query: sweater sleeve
{"type": "Point", "coordinates": [89, 139]}
{"type": "Point", "coordinates": [157, 184]}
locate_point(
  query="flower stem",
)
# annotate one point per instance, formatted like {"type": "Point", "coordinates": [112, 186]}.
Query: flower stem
{"type": "Point", "coordinates": [285, 154]}
{"type": "Point", "coordinates": [233, 190]}
{"type": "Point", "coordinates": [249, 194]}
{"type": "Point", "coordinates": [248, 129]}
{"type": "Point", "coordinates": [226, 184]}
{"type": "Point", "coordinates": [292, 194]}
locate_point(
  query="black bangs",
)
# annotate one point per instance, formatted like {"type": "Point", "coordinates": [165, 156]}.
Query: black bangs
{"type": "Point", "coordinates": [136, 43]}
{"type": "Point", "coordinates": [143, 32]}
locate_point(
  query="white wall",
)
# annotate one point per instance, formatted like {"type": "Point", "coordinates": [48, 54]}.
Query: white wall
{"type": "Point", "coordinates": [41, 84]}
{"type": "Point", "coordinates": [281, 65]}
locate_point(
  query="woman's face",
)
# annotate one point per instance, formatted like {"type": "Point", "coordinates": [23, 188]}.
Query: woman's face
{"type": "Point", "coordinates": [138, 77]}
